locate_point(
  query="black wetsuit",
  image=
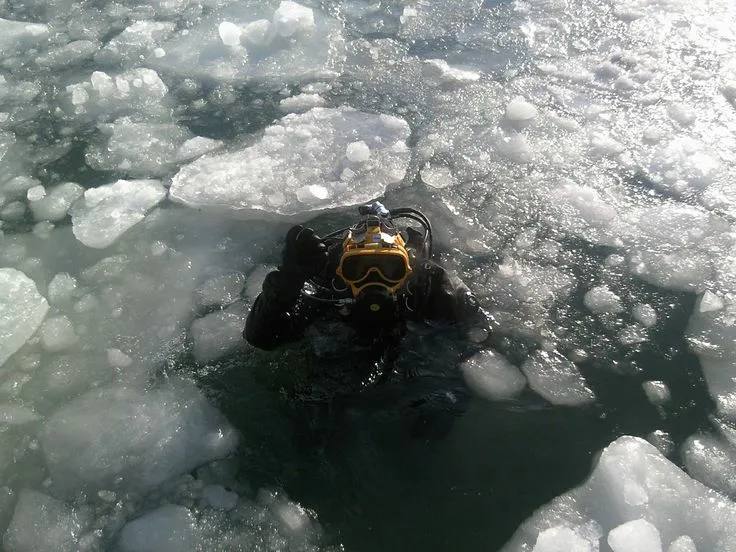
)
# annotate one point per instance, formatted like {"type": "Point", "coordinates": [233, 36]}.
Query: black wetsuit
{"type": "Point", "coordinates": [283, 314]}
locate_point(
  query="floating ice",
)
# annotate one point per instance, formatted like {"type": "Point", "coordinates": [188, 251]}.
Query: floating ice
{"type": "Point", "coordinates": [42, 524]}
{"type": "Point", "coordinates": [105, 97]}
{"type": "Point", "coordinates": [110, 210]}
{"type": "Point", "coordinates": [291, 18]}
{"type": "Point", "coordinates": [657, 392]}
{"type": "Point", "coordinates": [439, 71]}
{"type": "Point", "coordinates": [675, 505]}
{"type": "Point", "coordinates": [437, 176]}
{"type": "Point", "coordinates": [14, 414]}
{"type": "Point", "coordinates": [556, 379]}
{"type": "Point", "coordinates": [252, 41]}
{"type": "Point", "coordinates": [301, 103]}
{"type": "Point", "coordinates": [57, 334]}
{"type": "Point", "coordinates": [491, 376]}
{"type": "Point", "coordinates": [220, 290]}
{"type": "Point", "coordinates": [218, 497]}
{"type": "Point", "coordinates": [22, 309]}
{"type": "Point", "coordinates": [219, 333]}
{"type": "Point", "coordinates": [135, 41]}
{"type": "Point", "coordinates": [17, 36]}
{"type": "Point", "coordinates": [709, 302]}
{"type": "Point", "coordinates": [118, 438]}
{"type": "Point", "coordinates": [600, 299]}
{"type": "Point", "coordinates": [169, 528]}
{"type": "Point", "coordinates": [645, 315]}
{"type": "Point", "coordinates": [520, 112]}
{"type": "Point", "coordinates": [635, 536]}
{"type": "Point", "coordinates": [293, 168]}
{"type": "Point", "coordinates": [141, 149]}
{"type": "Point", "coordinates": [561, 539]}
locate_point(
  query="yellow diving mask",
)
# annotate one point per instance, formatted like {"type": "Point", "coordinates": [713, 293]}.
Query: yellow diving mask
{"type": "Point", "coordinates": [374, 254]}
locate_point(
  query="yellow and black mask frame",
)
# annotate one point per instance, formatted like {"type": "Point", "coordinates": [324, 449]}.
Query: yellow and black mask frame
{"type": "Point", "coordinates": [374, 254]}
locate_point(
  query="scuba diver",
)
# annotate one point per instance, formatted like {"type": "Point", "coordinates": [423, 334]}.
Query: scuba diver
{"type": "Point", "coordinates": [358, 288]}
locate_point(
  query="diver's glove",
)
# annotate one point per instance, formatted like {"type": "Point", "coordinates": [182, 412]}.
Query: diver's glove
{"type": "Point", "coordinates": [305, 254]}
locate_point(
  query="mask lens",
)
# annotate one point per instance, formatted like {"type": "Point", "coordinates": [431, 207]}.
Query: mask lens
{"type": "Point", "coordinates": [356, 267]}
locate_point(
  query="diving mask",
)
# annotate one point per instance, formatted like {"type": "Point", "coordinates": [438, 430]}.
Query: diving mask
{"type": "Point", "coordinates": [374, 254]}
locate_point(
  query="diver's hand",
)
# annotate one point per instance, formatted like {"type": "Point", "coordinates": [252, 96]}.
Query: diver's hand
{"type": "Point", "coordinates": [304, 254]}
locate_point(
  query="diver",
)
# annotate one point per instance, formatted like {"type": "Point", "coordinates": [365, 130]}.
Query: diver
{"type": "Point", "coordinates": [359, 287]}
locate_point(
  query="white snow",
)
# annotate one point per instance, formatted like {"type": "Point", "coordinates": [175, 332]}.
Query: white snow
{"type": "Point", "coordinates": [110, 210]}
{"type": "Point", "coordinates": [22, 310]}
{"type": "Point", "coordinates": [291, 169]}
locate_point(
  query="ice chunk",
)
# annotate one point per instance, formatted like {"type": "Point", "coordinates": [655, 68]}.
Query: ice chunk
{"type": "Point", "coordinates": [122, 438]}
{"type": "Point", "coordinates": [57, 334]}
{"type": "Point", "coordinates": [220, 290]}
{"type": "Point", "coordinates": [196, 147]}
{"type": "Point", "coordinates": [68, 54]}
{"type": "Point", "coordinates": [57, 201]}
{"type": "Point", "coordinates": [439, 71]}
{"type": "Point", "coordinates": [229, 34]}
{"type": "Point", "coordinates": [681, 114]}
{"type": "Point", "coordinates": [437, 176]}
{"type": "Point", "coordinates": [644, 314]}
{"type": "Point", "coordinates": [676, 503]}
{"type": "Point", "coordinates": [600, 299]}
{"type": "Point", "coordinates": [562, 539]}
{"type": "Point", "coordinates": [292, 169]}
{"type": "Point", "coordinates": [108, 211]}
{"type": "Point", "coordinates": [138, 149]}
{"type": "Point", "coordinates": [135, 41]}
{"type": "Point", "coordinates": [61, 289]}
{"type": "Point", "coordinates": [291, 18]}
{"type": "Point", "coordinates": [683, 165]}
{"type": "Point", "coordinates": [104, 97]}
{"type": "Point", "coordinates": [301, 103]}
{"type": "Point", "coordinates": [17, 36]}
{"type": "Point", "coordinates": [657, 392]}
{"type": "Point", "coordinates": [520, 112]}
{"type": "Point", "coordinates": [42, 524]}
{"type": "Point", "coordinates": [118, 359]}
{"type": "Point", "coordinates": [219, 333]}
{"type": "Point", "coordinates": [635, 536]}
{"type": "Point", "coordinates": [22, 309]}
{"type": "Point", "coordinates": [709, 302]}
{"type": "Point", "coordinates": [491, 376]}
{"type": "Point", "coordinates": [556, 379]}
{"type": "Point", "coordinates": [36, 193]}
{"type": "Point", "coordinates": [218, 497]}
{"type": "Point", "coordinates": [292, 44]}
{"type": "Point", "coordinates": [15, 414]}
{"type": "Point", "coordinates": [682, 544]}
{"type": "Point", "coordinates": [358, 152]}
{"type": "Point", "coordinates": [169, 528]}
{"type": "Point", "coordinates": [258, 33]}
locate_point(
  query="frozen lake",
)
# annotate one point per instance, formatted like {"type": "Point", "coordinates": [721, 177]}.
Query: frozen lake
{"type": "Point", "coordinates": [577, 160]}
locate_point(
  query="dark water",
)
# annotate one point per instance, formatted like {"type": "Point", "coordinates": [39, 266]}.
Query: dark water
{"type": "Point", "coordinates": [424, 465]}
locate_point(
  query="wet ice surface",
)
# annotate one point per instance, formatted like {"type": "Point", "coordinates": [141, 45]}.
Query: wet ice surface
{"type": "Point", "coordinates": [576, 159]}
